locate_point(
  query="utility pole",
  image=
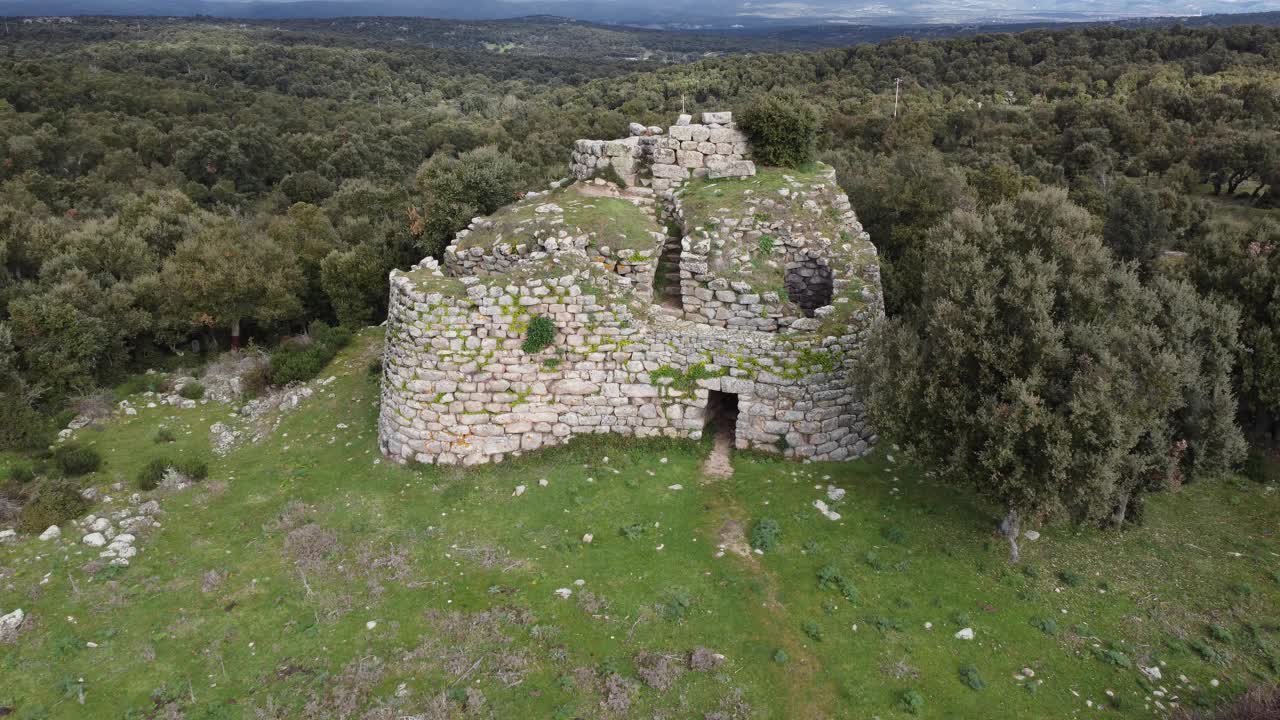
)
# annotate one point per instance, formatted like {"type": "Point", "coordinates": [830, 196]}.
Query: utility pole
{"type": "Point", "coordinates": [897, 90]}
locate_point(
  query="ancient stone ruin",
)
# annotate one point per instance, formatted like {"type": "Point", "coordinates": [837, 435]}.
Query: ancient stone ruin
{"type": "Point", "coordinates": [680, 285]}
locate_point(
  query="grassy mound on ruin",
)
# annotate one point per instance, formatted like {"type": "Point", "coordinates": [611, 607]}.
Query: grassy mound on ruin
{"type": "Point", "coordinates": [747, 218]}
{"type": "Point", "coordinates": [611, 222]}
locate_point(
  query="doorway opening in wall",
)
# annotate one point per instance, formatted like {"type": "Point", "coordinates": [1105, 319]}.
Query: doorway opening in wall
{"type": "Point", "coordinates": [722, 415]}
{"type": "Point", "coordinates": [809, 284]}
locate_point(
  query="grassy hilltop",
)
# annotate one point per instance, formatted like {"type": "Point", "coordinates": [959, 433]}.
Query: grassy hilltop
{"type": "Point", "coordinates": [308, 578]}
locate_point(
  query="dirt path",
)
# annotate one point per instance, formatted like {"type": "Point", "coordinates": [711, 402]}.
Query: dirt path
{"type": "Point", "coordinates": [718, 465]}
{"type": "Point", "coordinates": [807, 694]}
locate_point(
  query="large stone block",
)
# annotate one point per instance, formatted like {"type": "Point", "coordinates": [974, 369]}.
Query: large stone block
{"type": "Point", "coordinates": [733, 168]}
{"type": "Point", "coordinates": [689, 158]}
{"type": "Point", "coordinates": [572, 386]}
{"type": "Point", "coordinates": [726, 135]}
{"type": "Point", "coordinates": [670, 172]}
{"type": "Point", "coordinates": [718, 118]}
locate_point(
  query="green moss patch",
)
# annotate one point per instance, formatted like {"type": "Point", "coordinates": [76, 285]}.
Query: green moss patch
{"type": "Point", "coordinates": [611, 222]}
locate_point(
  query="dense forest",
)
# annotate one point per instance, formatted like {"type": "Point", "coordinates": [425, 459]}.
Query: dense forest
{"type": "Point", "coordinates": [167, 181]}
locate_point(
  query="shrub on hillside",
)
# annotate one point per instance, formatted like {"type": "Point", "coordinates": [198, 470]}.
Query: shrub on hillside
{"type": "Point", "coordinates": [783, 129]}
{"type": "Point", "coordinates": [54, 504]}
{"type": "Point", "coordinates": [192, 391]}
{"type": "Point", "coordinates": [303, 358]}
{"type": "Point", "coordinates": [75, 460]}
{"type": "Point", "coordinates": [22, 473]}
{"type": "Point", "coordinates": [151, 474]}
{"type": "Point", "coordinates": [1030, 336]}
{"type": "Point", "coordinates": [193, 467]}
{"type": "Point", "coordinates": [22, 427]}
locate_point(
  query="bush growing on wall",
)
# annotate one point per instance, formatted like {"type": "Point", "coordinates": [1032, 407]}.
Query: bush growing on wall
{"type": "Point", "coordinates": [783, 129]}
{"type": "Point", "coordinates": [541, 333]}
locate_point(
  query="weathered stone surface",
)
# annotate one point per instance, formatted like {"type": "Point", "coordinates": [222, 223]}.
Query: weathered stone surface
{"type": "Point", "coordinates": [735, 168]}
{"type": "Point", "coordinates": [458, 389]}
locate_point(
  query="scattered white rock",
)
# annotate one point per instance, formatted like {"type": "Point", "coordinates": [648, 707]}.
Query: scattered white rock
{"type": "Point", "coordinates": [564, 593]}
{"type": "Point", "coordinates": [53, 532]}
{"type": "Point", "coordinates": [100, 525]}
{"type": "Point", "coordinates": [94, 540]}
{"type": "Point", "coordinates": [835, 494]}
{"type": "Point", "coordinates": [1031, 535]}
{"type": "Point", "coordinates": [518, 491]}
{"type": "Point", "coordinates": [588, 537]}
{"type": "Point", "coordinates": [677, 486]}
{"type": "Point", "coordinates": [826, 511]}
{"type": "Point", "coordinates": [543, 482]}
{"type": "Point", "coordinates": [928, 626]}
{"type": "Point", "coordinates": [371, 624]}
{"type": "Point", "coordinates": [1152, 672]}
{"type": "Point", "coordinates": [7, 535]}
{"type": "Point", "coordinates": [10, 623]}
{"type": "Point", "coordinates": [1214, 682]}
{"type": "Point", "coordinates": [965, 634]}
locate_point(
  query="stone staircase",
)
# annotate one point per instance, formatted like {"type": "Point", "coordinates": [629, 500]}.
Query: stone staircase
{"type": "Point", "coordinates": [666, 278]}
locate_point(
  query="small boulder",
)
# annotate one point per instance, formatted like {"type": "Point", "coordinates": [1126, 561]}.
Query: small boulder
{"type": "Point", "coordinates": [94, 540]}
{"type": "Point", "coordinates": [53, 532]}
{"type": "Point", "coordinates": [703, 660]}
{"type": "Point", "coordinates": [965, 634]}
{"type": "Point", "coordinates": [10, 623]}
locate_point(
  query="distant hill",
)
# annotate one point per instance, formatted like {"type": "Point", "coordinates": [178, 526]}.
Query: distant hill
{"type": "Point", "coordinates": [827, 22]}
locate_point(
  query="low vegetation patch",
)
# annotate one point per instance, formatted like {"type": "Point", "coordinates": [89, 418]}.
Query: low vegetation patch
{"type": "Point", "coordinates": [303, 358]}
{"type": "Point", "coordinates": [53, 503]}
{"type": "Point", "coordinates": [766, 535]}
{"type": "Point", "coordinates": [75, 460]}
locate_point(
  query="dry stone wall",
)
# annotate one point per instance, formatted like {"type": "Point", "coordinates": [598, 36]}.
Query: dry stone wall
{"type": "Point", "coordinates": [458, 386]}
{"type": "Point", "coordinates": [650, 157]}
{"type": "Point", "coordinates": [809, 235]}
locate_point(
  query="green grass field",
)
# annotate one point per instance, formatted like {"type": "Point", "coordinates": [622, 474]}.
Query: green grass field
{"type": "Point", "coordinates": [307, 578]}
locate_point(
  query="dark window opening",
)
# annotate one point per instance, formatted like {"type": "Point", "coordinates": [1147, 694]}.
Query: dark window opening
{"type": "Point", "coordinates": [809, 284]}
